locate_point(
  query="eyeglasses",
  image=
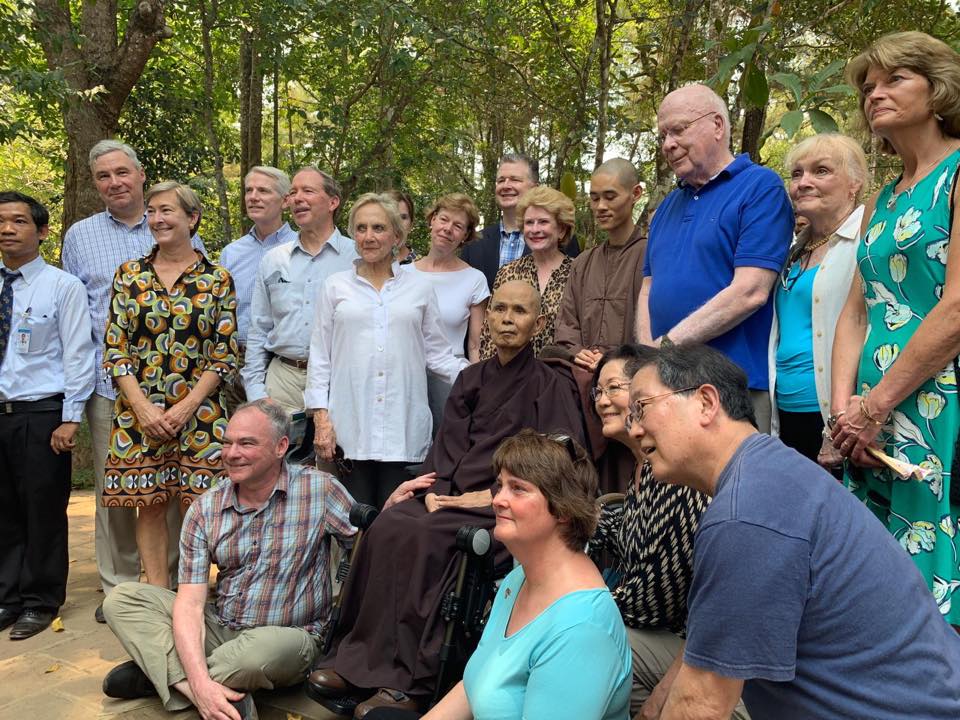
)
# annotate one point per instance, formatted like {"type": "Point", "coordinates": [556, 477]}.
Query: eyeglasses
{"type": "Point", "coordinates": [677, 131]}
{"type": "Point", "coordinates": [635, 414]}
{"type": "Point", "coordinates": [568, 443]}
{"type": "Point", "coordinates": [609, 391]}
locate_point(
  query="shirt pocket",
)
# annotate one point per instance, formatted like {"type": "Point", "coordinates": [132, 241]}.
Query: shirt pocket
{"type": "Point", "coordinates": [284, 296]}
{"type": "Point", "coordinates": [43, 330]}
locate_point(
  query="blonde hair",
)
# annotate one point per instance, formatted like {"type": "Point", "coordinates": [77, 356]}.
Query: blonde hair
{"type": "Point", "coordinates": [388, 205]}
{"type": "Point", "coordinates": [554, 202]}
{"type": "Point", "coordinates": [457, 202]}
{"type": "Point", "coordinates": [188, 199]}
{"type": "Point", "coordinates": [845, 150]}
{"type": "Point", "coordinates": [923, 54]}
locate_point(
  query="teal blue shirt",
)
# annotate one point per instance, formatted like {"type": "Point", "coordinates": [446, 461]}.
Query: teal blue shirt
{"type": "Point", "coordinates": [571, 662]}
{"type": "Point", "coordinates": [796, 382]}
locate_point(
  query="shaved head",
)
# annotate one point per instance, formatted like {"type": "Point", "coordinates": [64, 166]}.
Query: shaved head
{"type": "Point", "coordinates": [520, 291]}
{"type": "Point", "coordinates": [620, 170]}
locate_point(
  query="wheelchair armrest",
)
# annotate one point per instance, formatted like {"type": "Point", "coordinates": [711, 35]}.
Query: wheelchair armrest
{"type": "Point", "coordinates": [611, 499]}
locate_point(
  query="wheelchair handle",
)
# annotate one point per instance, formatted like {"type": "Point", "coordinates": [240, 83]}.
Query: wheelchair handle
{"type": "Point", "coordinates": [362, 516]}
{"type": "Point", "coordinates": [473, 540]}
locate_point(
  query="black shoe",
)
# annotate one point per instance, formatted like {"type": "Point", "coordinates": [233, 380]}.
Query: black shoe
{"type": "Point", "coordinates": [8, 617]}
{"type": "Point", "coordinates": [30, 622]}
{"type": "Point", "coordinates": [98, 615]}
{"type": "Point", "coordinates": [128, 682]}
{"type": "Point", "coordinates": [246, 708]}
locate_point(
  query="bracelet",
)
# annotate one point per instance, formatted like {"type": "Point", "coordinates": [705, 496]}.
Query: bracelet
{"type": "Point", "coordinates": [866, 414]}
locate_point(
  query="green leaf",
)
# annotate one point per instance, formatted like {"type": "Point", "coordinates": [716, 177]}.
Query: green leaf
{"type": "Point", "coordinates": [826, 73]}
{"type": "Point", "coordinates": [792, 121]}
{"type": "Point", "coordinates": [791, 82]}
{"type": "Point", "coordinates": [821, 121]}
{"type": "Point", "coordinates": [838, 90]}
{"type": "Point", "coordinates": [756, 91]}
{"type": "Point", "coordinates": [568, 186]}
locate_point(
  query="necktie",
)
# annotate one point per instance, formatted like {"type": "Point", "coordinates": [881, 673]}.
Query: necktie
{"type": "Point", "coordinates": [6, 309]}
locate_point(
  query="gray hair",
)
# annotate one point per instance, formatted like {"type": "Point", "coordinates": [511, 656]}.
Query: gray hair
{"type": "Point", "coordinates": [278, 417]}
{"type": "Point", "coordinates": [386, 202]}
{"type": "Point", "coordinates": [108, 146]}
{"type": "Point", "coordinates": [281, 181]}
{"type": "Point", "coordinates": [330, 186]}
{"type": "Point", "coordinates": [532, 165]}
{"type": "Point", "coordinates": [188, 199]}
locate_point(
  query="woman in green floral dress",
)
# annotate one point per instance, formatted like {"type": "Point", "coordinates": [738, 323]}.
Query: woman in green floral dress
{"type": "Point", "coordinates": [170, 341]}
{"type": "Point", "coordinates": [898, 337]}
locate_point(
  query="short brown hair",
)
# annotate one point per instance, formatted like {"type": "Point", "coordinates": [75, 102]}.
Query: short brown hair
{"type": "Point", "coordinates": [554, 202]}
{"type": "Point", "coordinates": [562, 471]}
{"type": "Point", "coordinates": [923, 54]}
{"type": "Point", "coordinates": [188, 199]}
{"type": "Point", "coordinates": [457, 202]}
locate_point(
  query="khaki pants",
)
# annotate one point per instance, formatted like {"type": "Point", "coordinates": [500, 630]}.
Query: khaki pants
{"type": "Point", "coordinates": [654, 650]}
{"type": "Point", "coordinates": [286, 384]}
{"type": "Point", "coordinates": [141, 616]}
{"type": "Point", "coordinates": [115, 529]}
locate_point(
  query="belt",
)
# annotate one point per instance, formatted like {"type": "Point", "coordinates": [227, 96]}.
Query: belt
{"type": "Point", "coordinates": [299, 364]}
{"type": "Point", "coordinates": [49, 404]}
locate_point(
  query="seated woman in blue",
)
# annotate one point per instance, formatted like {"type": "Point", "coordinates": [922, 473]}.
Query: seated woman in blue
{"type": "Point", "coordinates": [554, 646]}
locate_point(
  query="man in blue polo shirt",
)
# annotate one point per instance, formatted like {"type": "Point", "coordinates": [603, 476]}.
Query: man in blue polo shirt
{"type": "Point", "coordinates": [717, 242]}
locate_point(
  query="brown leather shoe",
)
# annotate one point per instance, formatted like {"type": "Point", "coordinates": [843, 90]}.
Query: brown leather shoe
{"type": "Point", "coordinates": [387, 698]}
{"type": "Point", "coordinates": [327, 683]}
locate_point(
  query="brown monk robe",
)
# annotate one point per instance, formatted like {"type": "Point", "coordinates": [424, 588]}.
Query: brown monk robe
{"type": "Point", "coordinates": [407, 561]}
{"type": "Point", "coordinates": [598, 309]}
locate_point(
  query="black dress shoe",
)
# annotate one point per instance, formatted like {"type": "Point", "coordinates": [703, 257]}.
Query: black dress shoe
{"type": "Point", "coordinates": [8, 618]}
{"type": "Point", "coordinates": [128, 682]}
{"type": "Point", "coordinates": [30, 622]}
{"type": "Point", "coordinates": [98, 615]}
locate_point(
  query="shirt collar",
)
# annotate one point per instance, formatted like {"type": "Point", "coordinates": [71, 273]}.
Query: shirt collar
{"type": "Point", "coordinates": [152, 256]}
{"type": "Point", "coordinates": [335, 242]}
{"type": "Point", "coordinates": [137, 224]}
{"type": "Point", "coordinates": [29, 271]}
{"type": "Point", "coordinates": [276, 235]}
{"type": "Point", "coordinates": [231, 498]}
{"type": "Point", "coordinates": [850, 228]}
{"type": "Point", "coordinates": [740, 163]}
{"type": "Point", "coordinates": [509, 233]}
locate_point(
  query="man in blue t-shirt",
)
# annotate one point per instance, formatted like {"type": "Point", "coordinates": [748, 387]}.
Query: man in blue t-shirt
{"type": "Point", "coordinates": [717, 242]}
{"type": "Point", "coordinates": [800, 600]}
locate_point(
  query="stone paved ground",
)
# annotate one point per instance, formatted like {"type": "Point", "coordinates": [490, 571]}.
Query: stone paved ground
{"type": "Point", "coordinates": [57, 675]}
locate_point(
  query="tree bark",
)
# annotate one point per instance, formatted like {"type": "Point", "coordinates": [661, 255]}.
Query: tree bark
{"type": "Point", "coordinates": [100, 70]}
{"type": "Point", "coordinates": [606, 17]}
{"type": "Point", "coordinates": [207, 22]}
{"type": "Point", "coordinates": [251, 106]}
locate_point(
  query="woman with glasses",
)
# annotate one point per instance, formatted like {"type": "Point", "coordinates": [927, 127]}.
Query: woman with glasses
{"type": "Point", "coordinates": [376, 332]}
{"type": "Point", "coordinates": [649, 537]}
{"type": "Point", "coordinates": [828, 174]}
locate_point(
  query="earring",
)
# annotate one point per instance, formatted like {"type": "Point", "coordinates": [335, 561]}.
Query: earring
{"type": "Point", "coordinates": [938, 117]}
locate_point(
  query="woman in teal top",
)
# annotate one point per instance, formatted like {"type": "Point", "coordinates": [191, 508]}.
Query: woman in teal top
{"type": "Point", "coordinates": [895, 356]}
{"type": "Point", "coordinates": [554, 647]}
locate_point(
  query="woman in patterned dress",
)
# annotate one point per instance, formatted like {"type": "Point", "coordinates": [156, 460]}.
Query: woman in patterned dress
{"type": "Point", "coordinates": [547, 222]}
{"type": "Point", "coordinates": [169, 345]}
{"type": "Point", "coordinates": [898, 337]}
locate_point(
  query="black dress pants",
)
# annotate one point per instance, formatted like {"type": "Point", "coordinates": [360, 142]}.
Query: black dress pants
{"type": "Point", "coordinates": [34, 492]}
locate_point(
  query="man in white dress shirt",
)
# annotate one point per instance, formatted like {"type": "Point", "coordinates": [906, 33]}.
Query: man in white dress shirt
{"type": "Point", "coordinates": [93, 248]}
{"type": "Point", "coordinates": [265, 192]}
{"type": "Point", "coordinates": [285, 292]}
{"type": "Point", "coordinates": [46, 375]}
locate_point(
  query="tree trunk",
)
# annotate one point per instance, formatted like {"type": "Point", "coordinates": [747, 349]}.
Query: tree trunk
{"type": "Point", "coordinates": [207, 21]}
{"type": "Point", "coordinates": [753, 120]}
{"type": "Point", "coordinates": [276, 107]}
{"type": "Point", "coordinates": [91, 57]}
{"type": "Point", "coordinates": [606, 17]}
{"type": "Point", "coordinates": [251, 106]}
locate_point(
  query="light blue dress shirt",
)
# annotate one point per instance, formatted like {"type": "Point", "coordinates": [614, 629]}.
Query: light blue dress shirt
{"type": "Point", "coordinates": [241, 258]}
{"type": "Point", "coordinates": [56, 354]}
{"type": "Point", "coordinates": [93, 249]}
{"type": "Point", "coordinates": [284, 297]}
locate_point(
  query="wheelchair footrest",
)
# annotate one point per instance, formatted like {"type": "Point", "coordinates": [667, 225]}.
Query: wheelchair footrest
{"type": "Point", "coordinates": [339, 706]}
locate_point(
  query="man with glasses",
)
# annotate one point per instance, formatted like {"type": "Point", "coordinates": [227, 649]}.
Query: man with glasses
{"type": "Point", "coordinates": [717, 242]}
{"type": "Point", "coordinates": [801, 600]}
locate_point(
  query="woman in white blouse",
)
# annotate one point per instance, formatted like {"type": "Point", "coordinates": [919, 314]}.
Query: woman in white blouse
{"type": "Point", "coordinates": [461, 290]}
{"type": "Point", "coordinates": [377, 330]}
{"type": "Point", "coordinates": [828, 174]}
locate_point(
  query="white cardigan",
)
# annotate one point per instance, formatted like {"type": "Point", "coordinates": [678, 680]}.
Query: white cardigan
{"type": "Point", "coordinates": [831, 285]}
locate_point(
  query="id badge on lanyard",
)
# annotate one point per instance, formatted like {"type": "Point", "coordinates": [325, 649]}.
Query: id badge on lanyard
{"type": "Point", "coordinates": [22, 338]}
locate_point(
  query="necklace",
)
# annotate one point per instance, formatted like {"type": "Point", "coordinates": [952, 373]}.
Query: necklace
{"type": "Point", "coordinates": [892, 200]}
{"type": "Point", "coordinates": [813, 246]}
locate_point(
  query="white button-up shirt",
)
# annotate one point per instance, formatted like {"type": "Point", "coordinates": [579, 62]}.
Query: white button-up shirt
{"type": "Point", "coordinates": [284, 297]}
{"type": "Point", "coordinates": [93, 249]}
{"type": "Point", "coordinates": [56, 356]}
{"type": "Point", "coordinates": [241, 258]}
{"type": "Point", "coordinates": [369, 352]}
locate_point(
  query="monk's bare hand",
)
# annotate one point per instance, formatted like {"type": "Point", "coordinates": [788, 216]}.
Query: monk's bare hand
{"type": "Point", "coordinates": [477, 499]}
{"type": "Point", "coordinates": [405, 490]}
{"type": "Point", "coordinates": [324, 437]}
{"type": "Point", "coordinates": [588, 358]}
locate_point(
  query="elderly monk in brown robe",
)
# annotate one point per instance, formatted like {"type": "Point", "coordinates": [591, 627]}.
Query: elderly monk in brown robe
{"type": "Point", "coordinates": [391, 626]}
{"type": "Point", "coordinates": [597, 312]}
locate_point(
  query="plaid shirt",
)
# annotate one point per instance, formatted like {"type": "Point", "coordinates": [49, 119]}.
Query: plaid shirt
{"type": "Point", "coordinates": [93, 249]}
{"type": "Point", "coordinates": [511, 245]}
{"type": "Point", "coordinates": [272, 562]}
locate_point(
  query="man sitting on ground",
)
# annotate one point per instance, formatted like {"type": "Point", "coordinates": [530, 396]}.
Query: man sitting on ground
{"type": "Point", "coordinates": [800, 599]}
{"type": "Point", "coordinates": [268, 531]}
{"type": "Point", "coordinates": [392, 628]}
